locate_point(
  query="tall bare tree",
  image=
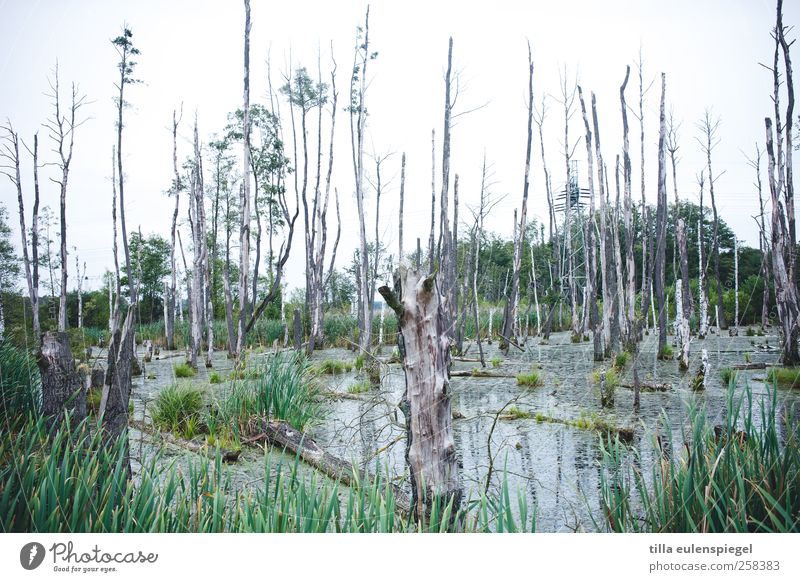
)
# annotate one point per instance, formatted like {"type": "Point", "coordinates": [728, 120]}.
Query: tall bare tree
{"type": "Point", "coordinates": [659, 281]}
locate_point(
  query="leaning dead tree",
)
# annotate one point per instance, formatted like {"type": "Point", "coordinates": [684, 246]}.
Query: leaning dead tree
{"type": "Point", "coordinates": [510, 315]}
{"type": "Point", "coordinates": [30, 251]}
{"type": "Point", "coordinates": [424, 345]}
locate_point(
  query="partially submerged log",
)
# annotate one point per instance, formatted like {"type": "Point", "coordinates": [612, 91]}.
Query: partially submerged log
{"type": "Point", "coordinates": [228, 455]}
{"type": "Point", "coordinates": [480, 374]}
{"type": "Point", "coordinates": [283, 435]}
{"type": "Point", "coordinates": [649, 387]}
{"type": "Point", "coordinates": [750, 366]}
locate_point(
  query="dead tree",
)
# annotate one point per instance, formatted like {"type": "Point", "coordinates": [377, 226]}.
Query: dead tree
{"type": "Point", "coordinates": [702, 325]}
{"type": "Point", "coordinates": [681, 325]}
{"type": "Point", "coordinates": [63, 392]}
{"type": "Point", "coordinates": [590, 301]}
{"type": "Point", "coordinates": [510, 328]}
{"type": "Point", "coordinates": [763, 245]}
{"type": "Point", "coordinates": [400, 255]}
{"type": "Point", "coordinates": [425, 348]}
{"type": "Point", "coordinates": [62, 128]}
{"type": "Point", "coordinates": [786, 297]}
{"type": "Point", "coordinates": [785, 45]}
{"type": "Point", "coordinates": [244, 225]}
{"type": "Point", "coordinates": [117, 387]}
{"type": "Point", "coordinates": [708, 128]}
{"type": "Point", "coordinates": [358, 121]}
{"type": "Point", "coordinates": [659, 282]}
{"type": "Point", "coordinates": [30, 259]}
{"type": "Point", "coordinates": [628, 222]}
{"type": "Point", "coordinates": [169, 321]}
{"type": "Point", "coordinates": [80, 277]}
{"type": "Point", "coordinates": [606, 258]}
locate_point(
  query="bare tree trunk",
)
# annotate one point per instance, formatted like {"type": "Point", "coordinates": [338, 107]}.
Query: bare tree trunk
{"type": "Point", "coordinates": [763, 246]}
{"type": "Point", "coordinates": [169, 322]}
{"type": "Point", "coordinates": [785, 289]}
{"type": "Point", "coordinates": [244, 230]}
{"type": "Point", "coordinates": [629, 230]}
{"type": "Point", "coordinates": [62, 387]}
{"type": "Point", "coordinates": [661, 226]}
{"type": "Point", "coordinates": [510, 329]}
{"type": "Point", "coordinates": [590, 302]}
{"type": "Point", "coordinates": [400, 256]}
{"type": "Point", "coordinates": [425, 348]}
{"type": "Point", "coordinates": [780, 33]}
{"type": "Point", "coordinates": [681, 325]}
{"type": "Point", "coordinates": [358, 119]}
{"type": "Point", "coordinates": [647, 251]}
{"type": "Point", "coordinates": [620, 325]}
{"type": "Point", "coordinates": [605, 258]}
{"type": "Point", "coordinates": [709, 128]}
{"type": "Point", "coordinates": [431, 248]}
{"type": "Point", "coordinates": [702, 326]}
{"type": "Point", "coordinates": [735, 330]}
{"type": "Point", "coordinates": [685, 304]}
{"type": "Point", "coordinates": [12, 170]}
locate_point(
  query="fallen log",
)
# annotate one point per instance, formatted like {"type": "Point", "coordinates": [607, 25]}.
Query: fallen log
{"type": "Point", "coordinates": [750, 366]}
{"type": "Point", "coordinates": [512, 342]}
{"type": "Point", "coordinates": [228, 455]}
{"type": "Point", "coordinates": [479, 374]}
{"type": "Point", "coordinates": [649, 387]}
{"type": "Point", "coordinates": [289, 439]}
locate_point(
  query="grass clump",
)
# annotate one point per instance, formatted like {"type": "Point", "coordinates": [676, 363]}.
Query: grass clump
{"type": "Point", "coordinates": [177, 409]}
{"type": "Point", "coordinates": [514, 413]}
{"type": "Point", "coordinates": [496, 361]}
{"type": "Point", "coordinates": [282, 389]}
{"type": "Point", "coordinates": [530, 379]}
{"type": "Point", "coordinates": [359, 387]}
{"type": "Point", "coordinates": [784, 376]}
{"type": "Point", "coordinates": [728, 375]}
{"type": "Point", "coordinates": [612, 378]}
{"type": "Point", "coordinates": [358, 363]}
{"type": "Point", "coordinates": [214, 378]}
{"type": "Point", "coordinates": [666, 353]}
{"type": "Point", "coordinates": [740, 476]}
{"type": "Point", "coordinates": [183, 370]}
{"type": "Point", "coordinates": [331, 366]}
{"type": "Point", "coordinates": [20, 385]}
{"type": "Point", "coordinates": [621, 360]}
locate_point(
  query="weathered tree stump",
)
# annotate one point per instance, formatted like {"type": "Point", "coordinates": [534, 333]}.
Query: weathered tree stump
{"type": "Point", "coordinates": [62, 387]}
{"type": "Point", "coordinates": [148, 351]}
{"type": "Point", "coordinates": [425, 347]}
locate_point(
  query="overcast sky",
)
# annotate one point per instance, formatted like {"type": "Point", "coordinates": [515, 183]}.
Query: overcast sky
{"type": "Point", "coordinates": [191, 53]}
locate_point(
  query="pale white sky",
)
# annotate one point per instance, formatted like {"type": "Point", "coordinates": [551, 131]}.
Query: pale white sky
{"type": "Point", "coordinates": [192, 53]}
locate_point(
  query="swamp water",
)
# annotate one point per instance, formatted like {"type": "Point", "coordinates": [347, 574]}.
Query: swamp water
{"type": "Point", "coordinates": [556, 467]}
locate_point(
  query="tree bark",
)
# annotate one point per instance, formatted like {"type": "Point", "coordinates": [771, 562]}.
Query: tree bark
{"type": "Point", "coordinates": [62, 387]}
{"type": "Point", "coordinates": [425, 348]}
{"type": "Point", "coordinates": [661, 226]}
{"type": "Point", "coordinates": [244, 229]}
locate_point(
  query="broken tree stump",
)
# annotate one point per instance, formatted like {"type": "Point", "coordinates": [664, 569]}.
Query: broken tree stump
{"type": "Point", "coordinates": [62, 387]}
{"type": "Point", "coordinates": [424, 344]}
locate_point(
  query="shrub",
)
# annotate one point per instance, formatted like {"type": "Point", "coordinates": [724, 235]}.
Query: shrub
{"type": "Point", "coordinates": [178, 408]}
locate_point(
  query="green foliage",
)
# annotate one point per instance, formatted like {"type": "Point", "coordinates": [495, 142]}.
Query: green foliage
{"type": "Point", "coordinates": [71, 481]}
{"type": "Point", "coordinates": [359, 387]}
{"type": "Point", "coordinates": [789, 377]}
{"type": "Point", "coordinates": [496, 361]}
{"type": "Point", "coordinates": [514, 413]}
{"type": "Point", "coordinates": [20, 385]}
{"type": "Point", "coordinates": [666, 353]}
{"type": "Point", "coordinates": [621, 360]}
{"type": "Point", "coordinates": [214, 378]}
{"type": "Point", "coordinates": [177, 409]}
{"type": "Point", "coordinates": [725, 479]}
{"type": "Point", "coordinates": [612, 378]}
{"type": "Point", "coordinates": [728, 376]}
{"type": "Point", "coordinates": [530, 379]}
{"type": "Point", "coordinates": [183, 370]}
{"type": "Point", "coordinates": [282, 388]}
{"type": "Point", "coordinates": [331, 366]}
{"type": "Point", "coordinates": [358, 364]}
